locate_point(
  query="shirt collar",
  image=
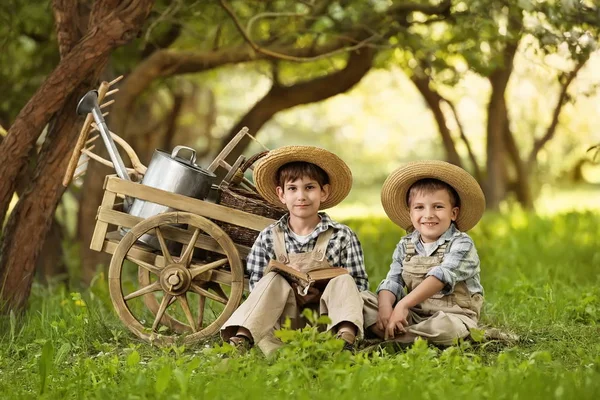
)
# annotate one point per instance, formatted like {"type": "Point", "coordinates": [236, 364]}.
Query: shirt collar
{"type": "Point", "coordinates": [415, 236]}
{"type": "Point", "coordinates": [325, 223]}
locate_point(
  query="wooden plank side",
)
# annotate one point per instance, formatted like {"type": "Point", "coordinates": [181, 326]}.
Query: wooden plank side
{"type": "Point", "coordinates": [189, 204]}
{"type": "Point", "coordinates": [170, 232]}
{"type": "Point", "coordinates": [108, 202]}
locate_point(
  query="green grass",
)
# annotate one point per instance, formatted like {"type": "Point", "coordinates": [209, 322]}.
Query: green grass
{"type": "Point", "coordinates": [541, 280]}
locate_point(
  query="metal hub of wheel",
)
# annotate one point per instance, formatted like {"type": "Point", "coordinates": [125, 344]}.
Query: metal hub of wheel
{"type": "Point", "coordinates": [175, 279]}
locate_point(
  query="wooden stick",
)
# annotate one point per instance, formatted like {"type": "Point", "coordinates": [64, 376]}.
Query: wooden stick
{"type": "Point", "coordinates": [117, 79]}
{"type": "Point", "coordinates": [108, 103]}
{"type": "Point", "coordinates": [111, 92]}
{"type": "Point", "coordinates": [226, 150]}
{"type": "Point", "coordinates": [83, 135]}
{"type": "Point", "coordinates": [93, 138]}
{"type": "Point", "coordinates": [135, 160]}
{"type": "Point", "coordinates": [103, 161]}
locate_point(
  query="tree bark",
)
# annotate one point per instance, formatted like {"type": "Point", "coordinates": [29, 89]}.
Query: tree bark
{"type": "Point", "coordinates": [284, 97]}
{"type": "Point", "coordinates": [115, 29]}
{"type": "Point", "coordinates": [522, 185]}
{"type": "Point", "coordinates": [31, 219]}
{"type": "Point", "coordinates": [562, 100]}
{"type": "Point", "coordinates": [496, 128]}
{"type": "Point", "coordinates": [476, 170]}
{"type": "Point", "coordinates": [433, 99]}
{"type": "Point", "coordinates": [166, 63]}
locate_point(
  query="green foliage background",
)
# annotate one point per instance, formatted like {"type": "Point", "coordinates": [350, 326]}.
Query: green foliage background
{"type": "Point", "coordinates": [540, 279]}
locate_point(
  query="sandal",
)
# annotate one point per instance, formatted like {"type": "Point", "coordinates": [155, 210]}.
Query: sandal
{"type": "Point", "coordinates": [348, 337]}
{"type": "Point", "coordinates": [241, 343]}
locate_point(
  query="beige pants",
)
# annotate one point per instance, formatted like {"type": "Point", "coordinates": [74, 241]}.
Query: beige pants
{"type": "Point", "coordinates": [443, 327]}
{"type": "Point", "coordinates": [273, 300]}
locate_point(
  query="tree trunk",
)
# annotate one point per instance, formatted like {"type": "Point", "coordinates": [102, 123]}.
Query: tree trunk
{"type": "Point", "coordinates": [284, 97]}
{"type": "Point", "coordinates": [522, 185]}
{"type": "Point", "coordinates": [433, 100]}
{"type": "Point", "coordinates": [497, 120]}
{"type": "Point", "coordinates": [51, 264]}
{"type": "Point", "coordinates": [92, 50]}
{"type": "Point", "coordinates": [31, 219]}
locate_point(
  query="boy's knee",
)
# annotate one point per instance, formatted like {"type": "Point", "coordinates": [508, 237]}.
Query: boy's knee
{"type": "Point", "coordinates": [274, 280]}
{"type": "Point", "coordinates": [442, 328]}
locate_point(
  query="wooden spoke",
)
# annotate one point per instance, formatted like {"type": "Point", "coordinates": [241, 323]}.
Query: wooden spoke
{"type": "Point", "coordinates": [147, 266]}
{"type": "Point", "coordinates": [186, 310]}
{"type": "Point", "coordinates": [218, 290]}
{"type": "Point", "coordinates": [203, 292]}
{"type": "Point", "coordinates": [201, 304]}
{"type": "Point", "coordinates": [163, 246]}
{"type": "Point", "coordinates": [209, 283]}
{"type": "Point", "coordinates": [154, 287]}
{"type": "Point", "coordinates": [207, 267]}
{"type": "Point", "coordinates": [161, 310]}
{"type": "Point", "coordinates": [186, 258]}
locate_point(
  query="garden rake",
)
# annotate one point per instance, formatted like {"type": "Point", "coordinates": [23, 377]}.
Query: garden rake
{"type": "Point", "coordinates": [82, 152]}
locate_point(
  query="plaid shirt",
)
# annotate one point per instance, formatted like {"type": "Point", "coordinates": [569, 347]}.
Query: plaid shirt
{"type": "Point", "coordinates": [343, 249]}
{"type": "Point", "coordinates": [461, 263]}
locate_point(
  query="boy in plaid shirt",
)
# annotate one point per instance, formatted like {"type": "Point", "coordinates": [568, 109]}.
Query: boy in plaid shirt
{"type": "Point", "coordinates": [305, 179]}
{"type": "Point", "coordinates": [437, 262]}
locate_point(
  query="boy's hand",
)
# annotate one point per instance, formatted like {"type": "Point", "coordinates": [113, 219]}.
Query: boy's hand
{"type": "Point", "coordinates": [383, 316]}
{"type": "Point", "coordinates": [397, 322]}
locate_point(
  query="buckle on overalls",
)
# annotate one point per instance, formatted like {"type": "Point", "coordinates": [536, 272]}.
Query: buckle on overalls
{"type": "Point", "coordinates": [303, 291]}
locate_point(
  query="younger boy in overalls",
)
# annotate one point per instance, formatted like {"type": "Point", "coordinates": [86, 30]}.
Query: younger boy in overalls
{"type": "Point", "coordinates": [305, 179]}
{"type": "Point", "coordinates": [437, 262]}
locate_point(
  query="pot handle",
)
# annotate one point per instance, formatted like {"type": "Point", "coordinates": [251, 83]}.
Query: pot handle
{"type": "Point", "coordinates": [177, 149]}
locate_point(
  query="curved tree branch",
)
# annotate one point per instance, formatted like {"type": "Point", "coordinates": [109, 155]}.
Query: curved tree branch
{"type": "Point", "coordinates": [433, 99]}
{"type": "Point", "coordinates": [562, 100]}
{"type": "Point", "coordinates": [284, 97]}
{"type": "Point", "coordinates": [287, 57]}
{"type": "Point", "coordinates": [94, 48]}
{"type": "Point", "coordinates": [465, 139]}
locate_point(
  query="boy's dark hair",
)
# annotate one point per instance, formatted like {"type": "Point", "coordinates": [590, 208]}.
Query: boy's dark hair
{"type": "Point", "coordinates": [430, 185]}
{"type": "Point", "coordinates": [299, 169]}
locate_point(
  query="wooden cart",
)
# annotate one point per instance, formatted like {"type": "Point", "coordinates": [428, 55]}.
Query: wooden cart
{"type": "Point", "coordinates": [188, 288]}
{"type": "Point", "coordinates": [209, 267]}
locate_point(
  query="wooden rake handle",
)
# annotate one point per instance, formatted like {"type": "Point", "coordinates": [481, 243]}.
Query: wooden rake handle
{"type": "Point", "coordinates": [103, 91]}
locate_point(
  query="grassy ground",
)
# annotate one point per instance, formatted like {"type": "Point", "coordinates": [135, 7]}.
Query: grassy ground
{"type": "Point", "coordinates": [541, 281]}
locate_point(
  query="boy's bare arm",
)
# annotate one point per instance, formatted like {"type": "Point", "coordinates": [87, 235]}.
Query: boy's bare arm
{"type": "Point", "coordinates": [398, 320]}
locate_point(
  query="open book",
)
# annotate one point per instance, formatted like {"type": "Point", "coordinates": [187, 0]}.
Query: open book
{"type": "Point", "coordinates": [317, 277]}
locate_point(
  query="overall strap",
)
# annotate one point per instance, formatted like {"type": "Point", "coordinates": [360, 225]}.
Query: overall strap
{"type": "Point", "coordinates": [410, 251]}
{"type": "Point", "coordinates": [320, 249]}
{"type": "Point", "coordinates": [441, 251]}
{"type": "Point", "coordinates": [281, 254]}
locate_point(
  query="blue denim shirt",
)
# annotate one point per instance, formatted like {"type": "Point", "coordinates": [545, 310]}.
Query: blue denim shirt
{"type": "Point", "coordinates": [461, 263]}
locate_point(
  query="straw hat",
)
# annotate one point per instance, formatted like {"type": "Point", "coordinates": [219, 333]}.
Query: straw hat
{"type": "Point", "coordinates": [395, 189]}
{"type": "Point", "coordinates": [340, 176]}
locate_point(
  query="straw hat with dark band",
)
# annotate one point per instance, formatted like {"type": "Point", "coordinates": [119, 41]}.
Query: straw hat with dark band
{"type": "Point", "coordinates": [395, 189]}
{"type": "Point", "coordinates": [340, 177]}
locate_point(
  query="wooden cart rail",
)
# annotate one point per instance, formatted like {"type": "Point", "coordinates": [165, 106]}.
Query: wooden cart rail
{"type": "Point", "coordinates": [114, 186]}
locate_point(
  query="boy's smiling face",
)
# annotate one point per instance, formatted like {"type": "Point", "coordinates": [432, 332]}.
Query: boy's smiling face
{"type": "Point", "coordinates": [431, 213]}
{"type": "Point", "coordinates": [303, 196]}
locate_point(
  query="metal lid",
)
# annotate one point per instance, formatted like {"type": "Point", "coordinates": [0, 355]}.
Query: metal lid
{"type": "Point", "coordinates": [186, 162]}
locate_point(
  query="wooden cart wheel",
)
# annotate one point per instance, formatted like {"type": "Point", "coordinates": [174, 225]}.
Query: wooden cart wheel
{"type": "Point", "coordinates": [174, 280]}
